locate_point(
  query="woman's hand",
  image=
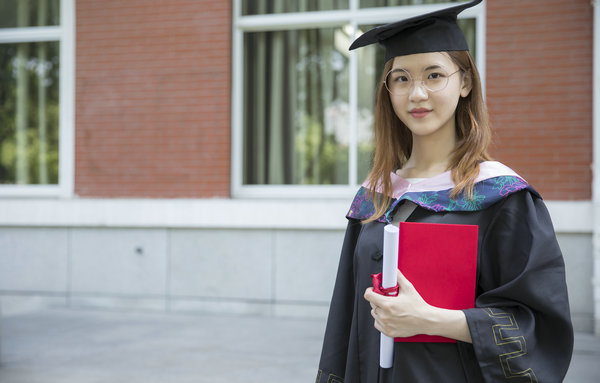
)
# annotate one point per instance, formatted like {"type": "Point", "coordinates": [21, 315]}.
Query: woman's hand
{"type": "Point", "coordinates": [408, 314]}
{"type": "Point", "coordinates": [400, 316]}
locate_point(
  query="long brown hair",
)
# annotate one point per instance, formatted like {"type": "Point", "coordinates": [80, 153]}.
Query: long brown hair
{"type": "Point", "coordinates": [393, 139]}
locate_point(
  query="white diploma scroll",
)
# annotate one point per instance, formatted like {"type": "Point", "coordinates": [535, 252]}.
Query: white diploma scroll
{"type": "Point", "coordinates": [389, 279]}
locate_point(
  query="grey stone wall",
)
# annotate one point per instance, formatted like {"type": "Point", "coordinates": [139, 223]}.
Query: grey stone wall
{"type": "Point", "coordinates": [257, 271]}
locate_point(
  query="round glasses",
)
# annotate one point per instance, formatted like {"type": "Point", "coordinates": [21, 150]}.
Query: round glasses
{"type": "Point", "coordinates": [399, 82]}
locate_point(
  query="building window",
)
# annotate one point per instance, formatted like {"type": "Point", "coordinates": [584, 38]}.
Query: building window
{"type": "Point", "coordinates": [303, 110]}
{"type": "Point", "coordinates": [32, 39]}
{"type": "Point", "coordinates": [260, 7]}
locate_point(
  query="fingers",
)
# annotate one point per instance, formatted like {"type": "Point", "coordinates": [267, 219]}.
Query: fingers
{"type": "Point", "coordinates": [379, 320]}
{"type": "Point", "coordinates": [378, 326]}
{"type": "Point", "coordinates": [403, 282]}
{"type": "Point", "coordinates": [370, 295]}
{"type": "Point", "coordinates": [374, 298]}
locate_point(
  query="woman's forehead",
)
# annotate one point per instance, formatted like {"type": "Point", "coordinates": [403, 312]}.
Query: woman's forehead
{"type": "Point", "coordinates": [421, 61]}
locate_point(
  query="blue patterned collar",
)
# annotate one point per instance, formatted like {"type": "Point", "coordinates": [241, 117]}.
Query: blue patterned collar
{"type": "Point", "coordinates": [431, 195]}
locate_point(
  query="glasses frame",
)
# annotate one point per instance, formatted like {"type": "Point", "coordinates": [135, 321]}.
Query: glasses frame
{"type": "Point", "coordinates": [413, 82]}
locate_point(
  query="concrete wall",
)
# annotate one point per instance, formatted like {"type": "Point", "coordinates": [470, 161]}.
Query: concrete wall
{"type": "Point", "coordinates": [258, 271]}
{"type": "Point", "coordinates": [280, 272]}
{"type": "Point", "coordinates": [577, 251]}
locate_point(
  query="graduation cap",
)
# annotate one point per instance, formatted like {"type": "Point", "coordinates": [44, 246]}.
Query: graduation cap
{"type": "Point", "coordinates": [432, 32]}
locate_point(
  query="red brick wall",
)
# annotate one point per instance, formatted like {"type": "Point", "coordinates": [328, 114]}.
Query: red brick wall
{"type": "Point", "coordinates": [153, 98]}
{"type": "Point", "coordinates": [539, 90]}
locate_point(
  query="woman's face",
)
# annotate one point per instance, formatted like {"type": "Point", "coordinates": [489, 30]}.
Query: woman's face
{"type": "Point", "coordinates": [424, 91]}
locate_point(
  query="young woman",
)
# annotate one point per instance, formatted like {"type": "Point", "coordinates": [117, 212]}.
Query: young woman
{"type": "Point", "coordinates": [431, 165]}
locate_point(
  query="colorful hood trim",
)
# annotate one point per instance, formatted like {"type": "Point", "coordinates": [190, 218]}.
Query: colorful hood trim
{"type": "Point", "coordinates": [486, 192]}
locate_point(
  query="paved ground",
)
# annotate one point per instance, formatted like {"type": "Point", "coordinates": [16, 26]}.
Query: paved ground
{"type": "Point", "coordinates": [74, 346]}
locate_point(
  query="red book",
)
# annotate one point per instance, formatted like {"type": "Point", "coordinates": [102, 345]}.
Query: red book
{"type": "Point", "coordinates": [440, 260]}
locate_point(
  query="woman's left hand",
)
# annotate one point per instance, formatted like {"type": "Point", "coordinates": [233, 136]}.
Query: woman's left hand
{"type": "Point", "coordinates": [404, 315]}
{"type": "Point", "coordinates": [408, 314]}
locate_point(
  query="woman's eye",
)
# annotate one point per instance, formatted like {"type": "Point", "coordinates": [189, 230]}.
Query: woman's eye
{"type": "Point", "coordinates": [400, 78]}
{"type": "Point", "coordinates": [435, 76]}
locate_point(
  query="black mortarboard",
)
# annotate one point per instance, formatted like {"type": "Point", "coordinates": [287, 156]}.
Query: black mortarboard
{"type": "Point", "coordinates": [432, 32]}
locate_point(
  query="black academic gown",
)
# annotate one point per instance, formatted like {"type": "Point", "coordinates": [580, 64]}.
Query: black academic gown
{"type": "Point", "coordinates": [520, 326]}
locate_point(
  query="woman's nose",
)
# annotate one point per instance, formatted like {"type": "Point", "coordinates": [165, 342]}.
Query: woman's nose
{"type": "Point", "coordinates": [418, 91]}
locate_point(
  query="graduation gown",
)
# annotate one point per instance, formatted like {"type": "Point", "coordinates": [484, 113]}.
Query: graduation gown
{"type": "Point", "coordinates": [520, 326]}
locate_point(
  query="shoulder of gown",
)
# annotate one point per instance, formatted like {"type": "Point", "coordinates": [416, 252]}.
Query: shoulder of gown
{"type": "Point", "coordinates": [494, 183]}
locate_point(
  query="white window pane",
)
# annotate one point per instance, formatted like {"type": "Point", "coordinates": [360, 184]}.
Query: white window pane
{"type": "Point", "coordinates": [393, 3]}
{"type": "Point", "coordinates": [259, 7]}
{"type": "Point", "coordinates": [29, 13]}
{"type": "Point", "coordinates": [296, 111]}
{"type": "Point", "coordinates": [29, 113]}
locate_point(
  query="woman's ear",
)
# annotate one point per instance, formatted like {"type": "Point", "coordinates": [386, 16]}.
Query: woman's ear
{"type": "Point", "coordinates": [467, 85]}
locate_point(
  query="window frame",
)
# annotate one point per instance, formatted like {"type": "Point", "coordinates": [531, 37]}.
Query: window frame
{"type": "Point", "coordinates": [353, 16]}
{"type": "Point", "coordinates": [65, 35]}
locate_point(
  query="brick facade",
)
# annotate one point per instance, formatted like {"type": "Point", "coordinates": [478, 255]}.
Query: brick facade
{"type": "Point", "coordinates": [539, 91]}
{"type": "Point", "coordinates": [153, 98]}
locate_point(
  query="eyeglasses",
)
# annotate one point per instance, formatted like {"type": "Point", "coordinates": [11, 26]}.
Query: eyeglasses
{"type": "Point", "coordinates": [399, 82]}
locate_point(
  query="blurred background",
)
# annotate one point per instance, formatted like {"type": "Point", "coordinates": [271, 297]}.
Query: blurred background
{"type": "Point", "coordinates": [198, 157]}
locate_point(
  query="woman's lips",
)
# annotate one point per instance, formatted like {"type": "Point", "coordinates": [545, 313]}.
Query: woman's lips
{"type": "Point", "coordinates": [419, 112]}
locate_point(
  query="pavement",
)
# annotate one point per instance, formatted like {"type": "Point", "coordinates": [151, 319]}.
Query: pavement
{"type": "Point", "coordinates": [87, 346]}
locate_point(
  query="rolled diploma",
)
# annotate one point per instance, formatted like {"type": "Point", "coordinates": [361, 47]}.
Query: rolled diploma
{"type": "Point", "coordinates": [389, 278]}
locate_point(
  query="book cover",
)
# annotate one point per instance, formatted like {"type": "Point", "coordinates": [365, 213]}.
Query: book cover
{"type": "Point", "coordinates": [440, 260]}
